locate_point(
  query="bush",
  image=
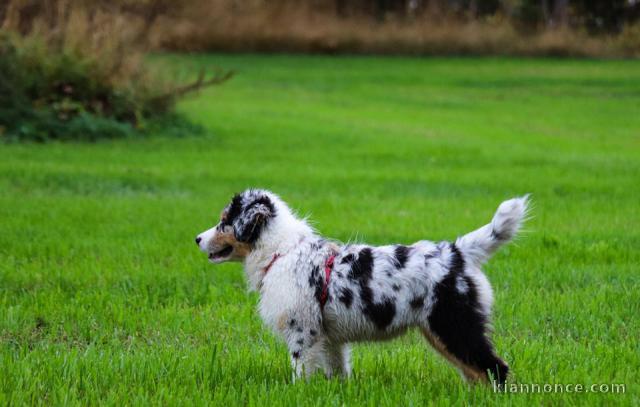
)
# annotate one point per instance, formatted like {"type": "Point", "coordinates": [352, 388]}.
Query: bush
{"type": "Point", "coordinates": [81, 78]}
{"type": "Point", "coordinates": [49, 95]}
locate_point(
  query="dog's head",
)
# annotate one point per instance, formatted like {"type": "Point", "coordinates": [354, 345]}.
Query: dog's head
{"type": "Point", "coordinates": [241, 225]}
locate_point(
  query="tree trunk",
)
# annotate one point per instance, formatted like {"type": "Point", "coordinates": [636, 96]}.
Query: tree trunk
{"type": "Point", "coordinates": [341, 8]}
{"type": "Point", "coordinates": [560, 11]}
{"type": "Point", "coordinates": [544, 11]}
{"type": "Point", "coordinates": [4, 6]}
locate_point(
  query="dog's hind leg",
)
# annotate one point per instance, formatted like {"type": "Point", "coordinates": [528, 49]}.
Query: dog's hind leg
{"type": "Point", "coordinates": [458, 322]}
{"type": "Point", "coordinates": [471, 352]}
{"type": "Point", "coordinates": [337, 359]}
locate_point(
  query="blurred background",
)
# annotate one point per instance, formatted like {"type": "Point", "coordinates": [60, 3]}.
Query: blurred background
{"type": "Point", "coordinates": [76, 69]}
{"type": "Point", "coordinates": [530, 27]}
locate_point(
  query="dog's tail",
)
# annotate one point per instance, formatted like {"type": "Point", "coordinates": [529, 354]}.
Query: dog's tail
{"type": "Point", "coordinates": [480, 244]}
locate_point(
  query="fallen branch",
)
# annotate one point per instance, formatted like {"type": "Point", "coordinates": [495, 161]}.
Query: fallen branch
{"type": "Point", "coordinates": [219, 77]}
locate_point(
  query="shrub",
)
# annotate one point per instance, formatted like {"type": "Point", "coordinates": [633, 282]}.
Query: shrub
{"type": "Point", "coordinates": [81, 77]}
{"type": "Point", "coordinates": [49, 95]}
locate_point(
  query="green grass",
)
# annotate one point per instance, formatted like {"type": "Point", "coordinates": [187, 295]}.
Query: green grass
{"type": "Point", "coordinates": [105, 298]}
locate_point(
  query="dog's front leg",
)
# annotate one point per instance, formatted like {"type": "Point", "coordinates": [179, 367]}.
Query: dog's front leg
{"type": "Point", "coordinates": [305, 347]}
{"type": "Point", "coordinates": [306, 361]}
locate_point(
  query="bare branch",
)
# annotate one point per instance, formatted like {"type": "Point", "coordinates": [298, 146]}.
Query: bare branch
{"type": "Point", "coordinates": [218, 77]}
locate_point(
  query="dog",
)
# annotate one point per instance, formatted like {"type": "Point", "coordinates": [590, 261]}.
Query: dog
{"type": "Point", "coordinates": [320, 295]}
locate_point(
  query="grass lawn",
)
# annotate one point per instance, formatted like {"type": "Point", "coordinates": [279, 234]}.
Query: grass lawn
{"type": "Point", "coordinates": [104, 297]}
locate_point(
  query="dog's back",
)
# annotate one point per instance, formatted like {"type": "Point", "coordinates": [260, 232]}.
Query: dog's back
{"type": "Point", "coordinates": [379, 292]}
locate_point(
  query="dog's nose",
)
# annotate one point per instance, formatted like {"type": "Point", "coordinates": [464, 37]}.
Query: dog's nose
{"type": "Point", "coordinates": [198, 239]}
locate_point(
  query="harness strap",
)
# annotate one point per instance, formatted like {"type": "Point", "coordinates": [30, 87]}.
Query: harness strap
{"type": "Point", "coordinates": [276, 256]}
{"type": "Point", "coordinates": [328, 266]}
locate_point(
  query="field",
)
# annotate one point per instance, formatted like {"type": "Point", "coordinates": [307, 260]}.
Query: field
{"type": "Point", "coordinates": [104, 297]}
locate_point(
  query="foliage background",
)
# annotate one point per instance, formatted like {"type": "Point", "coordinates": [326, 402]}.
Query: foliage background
{"type": "Point", "coordinates": [512, 27]}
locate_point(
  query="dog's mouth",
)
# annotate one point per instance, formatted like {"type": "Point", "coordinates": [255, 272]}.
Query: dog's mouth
{"type": "Point", "coordinates": [221, 255]}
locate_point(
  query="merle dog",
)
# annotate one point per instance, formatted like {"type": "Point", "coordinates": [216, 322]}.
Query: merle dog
{"type": "Point", "coordinates": [320, 295]}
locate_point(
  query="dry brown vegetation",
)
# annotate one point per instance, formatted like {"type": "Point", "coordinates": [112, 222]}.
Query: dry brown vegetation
{"type": "Point", "coordinates": [73, 69]}
{"type": "Point", "coordinates": [317, 26]}
{"type": "Point", "coordinates": [116, 33]}
{"type": "Point", "coordinates": [284, 26]}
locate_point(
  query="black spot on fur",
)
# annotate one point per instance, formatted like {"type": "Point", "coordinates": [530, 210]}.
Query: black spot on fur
{"type": "Point", "coordinates": [361, 269]}
{"type": "Point", "coordinates": [316, 281]}
{"type": "Point", "coordinates": [459, 324]}
{"type": "Point", "coordinates": [495, 235]}
{"type": "Point", "coordinates": [437, 252]}
{"type": "Point", "coordinates": [313, 276]}
{"type": "Point", "coordinates": [402, 254]}
{"type": "Point", "coordinates": [299, 329]}
{"type": "Point", "coordinates": [395, 287]}
{"type": "Point", "coordinates": [262, 200]}
{"type": "Point", "coordinates": [346, 296]}
{"type": "Point", "coordinates": [389, 274]}
{"type": "Point", "coordinates": [318, 291]}
{"type": "Point", "coordinates": [296, 354]}
{"type": "Point", "coordinates": [347, 259]}
{"type": "Point", "coordinates": [380, 313]}
{"type": "Point", "coordinates": [235, 208]}
{"type": "Point", "coordinates": [292, 323]}
{"type": "Point", "coordinates": [417, 302]}
{"type": "Point", "coordinates": [249, 230]}
{"type": "Point", "coordinates": [456, 266]}
{"type": "Point", "coordinates": [313, 332]}
{"type": "Point", "coordinates": [300, 341]}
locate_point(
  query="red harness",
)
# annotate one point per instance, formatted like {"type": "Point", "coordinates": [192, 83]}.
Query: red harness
{"type": "Point", "coordinates": [273, 260]}
{"type": "Point", "coordinates": [328, 266]}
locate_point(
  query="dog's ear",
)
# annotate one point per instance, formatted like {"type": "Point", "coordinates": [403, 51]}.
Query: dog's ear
{"type": "Point", "coordinates": [249, 225]}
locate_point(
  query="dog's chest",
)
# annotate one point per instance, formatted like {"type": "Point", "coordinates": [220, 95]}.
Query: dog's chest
{"type": "Point", "coordinates": [278, 298]}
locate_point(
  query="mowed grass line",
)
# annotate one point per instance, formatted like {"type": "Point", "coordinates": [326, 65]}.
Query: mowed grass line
{"type": "Point", "coordinates": [104, 297]}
